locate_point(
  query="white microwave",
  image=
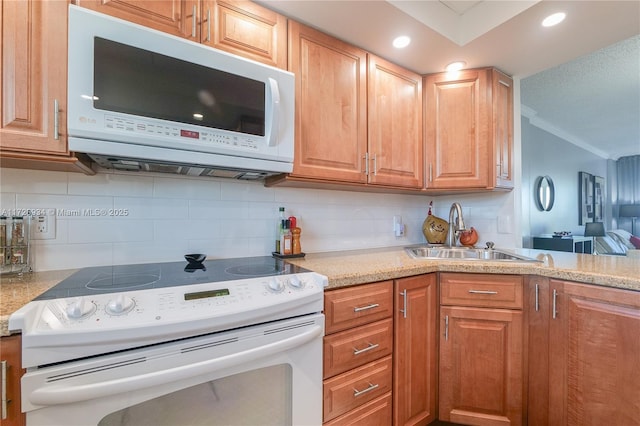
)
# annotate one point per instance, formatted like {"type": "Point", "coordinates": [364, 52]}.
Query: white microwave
{"type": "Point", "coordinates": [141, 99]}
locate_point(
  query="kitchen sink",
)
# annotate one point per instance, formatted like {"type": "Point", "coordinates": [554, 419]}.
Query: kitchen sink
{"type": "Point", "coordinates": [465, 253]}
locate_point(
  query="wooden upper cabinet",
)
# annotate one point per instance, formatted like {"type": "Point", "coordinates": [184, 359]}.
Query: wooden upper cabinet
{"type": "Point", "coordinates": [456, 130]}
{"type": "Point", "coordinates": [246, 29]}
{"type": "Point", "coordinates": [177, 17]}
{"type": "Point", "coordinates": [240, 27]}
{"type": "Point", "coordinates": [394, 125]}
{"type": "Point", "coordinates": [34, 77]}
{"type": "Point", "coordinates": [594, 355]}
{"type": "Point", "coordinates": [502, 93]}
{"type": "Point", "coordinates": [469, 130]}
{"type": "Point", "coordinates": [331, 120]}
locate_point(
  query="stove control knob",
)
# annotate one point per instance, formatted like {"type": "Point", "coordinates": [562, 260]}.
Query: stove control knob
{"type": "Point", "coordinates": [275, 286]}
{"type": "Point", "coordinates": [120, 305]}
{"type": "Point", "coordinates": [295, 282]}
{"type": "Point", "coordinates": [80, 308]}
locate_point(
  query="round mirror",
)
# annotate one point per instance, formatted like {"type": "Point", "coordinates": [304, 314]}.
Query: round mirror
{"type": "Point", "coordinates": [544, 193]}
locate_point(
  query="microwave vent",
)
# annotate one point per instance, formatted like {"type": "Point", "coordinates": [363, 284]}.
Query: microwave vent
{"type": "Point", "coordinates": [134, 164]}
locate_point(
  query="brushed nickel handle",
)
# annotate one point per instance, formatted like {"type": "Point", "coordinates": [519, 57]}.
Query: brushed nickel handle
{"type": "Point", "coordinates": [208, 24]}
{"type": "Point", "coordinates": [371, 347]}
{"type": "Point", "coordinates": [3, 372]}
{"type": "Point", "coordinates": [555, 296]}
{"type": "Point", "coordinates": [537, 297]}
{"type": "Point", "coordinates": [403, 293]}
{"type": "Point", "coordinates": [371, 387]}
{"type": "Point", "coordinates": [366, 163]}
{"type": "Point", "coordinates": [483, 292]}
{"type": "Point", "coordinates": [364, 308]}
{"type": "Point", "coordinates": [430, 172]}
{"type": "Point", "coordinates": [446, 327]}
{"type": "Point", "coordinates": [375, 165]}
{"type": "Point", "coordinates": [193, 22]}
{"type": "Point", "coordinates": [56, 120]}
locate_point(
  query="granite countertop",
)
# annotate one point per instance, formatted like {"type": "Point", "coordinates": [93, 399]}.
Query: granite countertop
{"type": "Point", "coordinates": [363, 266]}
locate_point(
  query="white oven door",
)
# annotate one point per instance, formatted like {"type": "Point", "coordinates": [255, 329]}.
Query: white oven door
{"type": "Point", "coordinates": [270, 374]}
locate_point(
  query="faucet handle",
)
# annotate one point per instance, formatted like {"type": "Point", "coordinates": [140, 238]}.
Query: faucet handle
{"type": "Point", "coordinates": [490, 245]}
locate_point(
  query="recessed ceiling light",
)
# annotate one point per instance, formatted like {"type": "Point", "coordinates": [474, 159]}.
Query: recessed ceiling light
{"type": "Point", "coordinates": [402, 41]}
{"type": "Point", "coordinates": [554, 19]}
{"type": "Point", "coordinates": [198, 116]}
{"type": "Point", "coordinates": [456, 66]}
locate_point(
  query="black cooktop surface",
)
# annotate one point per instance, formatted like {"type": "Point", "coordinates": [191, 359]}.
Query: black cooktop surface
{"type": "Point", "coordinates": [122, 278]}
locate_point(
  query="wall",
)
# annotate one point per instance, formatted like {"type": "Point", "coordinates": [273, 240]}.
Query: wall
{"type": "Point", "coordinates": [168, 216]}
{"type": "Point", "coordinates": [546, 154]}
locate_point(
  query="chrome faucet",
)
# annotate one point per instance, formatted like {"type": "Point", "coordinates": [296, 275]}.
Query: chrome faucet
{"type": "Point", "coordinates": [454, 227]}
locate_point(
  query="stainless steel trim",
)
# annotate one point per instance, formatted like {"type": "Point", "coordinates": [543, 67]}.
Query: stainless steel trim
{"type": "Point", "coordinates": [371, 387]}
{"type": "Point", "coordinates": [483, 292]}
{"type": "Point", "coordinates": [403, 293]}
{"type": "Point", "coordinates": [193, 22]}
{"type": "Point", "coordinates": [446, 327]}
{"type": "Point", "coordinates": [3, 372]}
{"type": "Point", "coordinates": [56, 120]}
{"type": "Point", "coordinates": [364, 308]}
{"type": "Point", "coordinates": [537, 297]}
{"type": "Point", "coordinates": [555, 295]}
{"type": "Point", "coordinates": [367, 349]}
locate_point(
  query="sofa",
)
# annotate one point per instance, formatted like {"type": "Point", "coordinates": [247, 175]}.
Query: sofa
{"type": "Point", "coordinates": [616, 242]}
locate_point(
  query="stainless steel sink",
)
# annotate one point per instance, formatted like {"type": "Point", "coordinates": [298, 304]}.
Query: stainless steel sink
{"type": "Point", "coordinates": [465, 253]}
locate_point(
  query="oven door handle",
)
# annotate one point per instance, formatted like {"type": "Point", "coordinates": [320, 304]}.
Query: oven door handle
{"type": "Point", "coordinates": [61, 394]}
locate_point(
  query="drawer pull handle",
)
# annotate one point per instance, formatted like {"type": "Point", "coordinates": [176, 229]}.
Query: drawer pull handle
{"type": "Point", "coordinates": [5, 400]}
{"type": "Point", "coordinates": [367, 349]}
{"type": "Point", "coordinates": [371, 387]}
{"type": "Point", "coordinates": [364, 308]}
{"type": "Point", "coordinates": [483, 292]}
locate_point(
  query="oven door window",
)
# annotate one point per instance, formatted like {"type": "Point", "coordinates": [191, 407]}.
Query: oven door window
{"type": "Point", "coordinates": [256, 397]}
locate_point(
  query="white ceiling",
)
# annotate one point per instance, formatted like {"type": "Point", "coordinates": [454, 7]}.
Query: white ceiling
{"type": "Point", "coordinates": [593, 101]}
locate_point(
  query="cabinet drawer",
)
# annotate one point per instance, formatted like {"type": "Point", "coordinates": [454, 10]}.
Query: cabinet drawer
{"type": "Point", "coordinates": [354, 306]}
{"type": "Point", "coordinates": [353, 348]}
{"type": "Point", "coordinates": [374, 413]}
{"type": "Point", "coordinates": [481, 290]}
{"type": "Point", "coordinates": [351, 389]}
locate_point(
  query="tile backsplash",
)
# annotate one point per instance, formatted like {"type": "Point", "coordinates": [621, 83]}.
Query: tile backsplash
{"type": "Point", "coordinates": [117, 218]}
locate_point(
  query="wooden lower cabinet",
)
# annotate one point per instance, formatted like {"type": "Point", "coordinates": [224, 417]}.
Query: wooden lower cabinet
{"type": "Point", "coordinates": [481, 379]}
{"type": "Point", "coordinates": [357, 368]}
{"type": "Point", "coordinates": [10, 355]}
{"type": "Point", "coordinates": [415, 350]}
{"type": "Point", "coordinates": [594, 355]}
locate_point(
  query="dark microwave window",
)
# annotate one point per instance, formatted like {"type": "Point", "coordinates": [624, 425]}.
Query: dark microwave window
{"type": "Point", "coordinates": [147, 84]}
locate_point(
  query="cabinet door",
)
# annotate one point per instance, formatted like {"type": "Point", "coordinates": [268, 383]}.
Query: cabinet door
{"type": "Point", "coordinates": [245, 29]}
{"type": "Point", "coordinates": [537, 310]}
{"type": "Point", "coordinates": [502, 101]}
{"type": "Point", "coordinates": [10, 354]}
{"type": "Point", "coordinates": [594, 360]}
{"type": "Point", "coordinates": [415, 353]}
{"type": "Point", "coordinates": [457, 130]}
{"type": "Point", "coordinates": [395, 125]}
{"type": "Point", "coordinates": [331, 90]}
{"type": "Point", "coordinates": [177, 17]}
{"type": "Point", "coordinates": [481, 368]}
{"type": "Point", "coordinates": [34, 75]}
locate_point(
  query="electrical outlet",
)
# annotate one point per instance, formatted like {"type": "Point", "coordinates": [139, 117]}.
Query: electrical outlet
{"type": "Point", "coordinates": [398, 226]}
{"type": "Point", "coordinates": [43, 226]}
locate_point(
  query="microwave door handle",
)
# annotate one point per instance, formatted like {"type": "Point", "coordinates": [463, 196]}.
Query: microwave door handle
{"type": "Point", "coordinates": [275, 112]}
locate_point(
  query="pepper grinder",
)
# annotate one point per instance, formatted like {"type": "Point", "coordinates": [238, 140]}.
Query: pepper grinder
{"type": "Point", "coordinates": [295, 243]}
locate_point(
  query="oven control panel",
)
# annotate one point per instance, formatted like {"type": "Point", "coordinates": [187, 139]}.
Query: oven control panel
{"type": "Point", "coordinates": [184, 303]}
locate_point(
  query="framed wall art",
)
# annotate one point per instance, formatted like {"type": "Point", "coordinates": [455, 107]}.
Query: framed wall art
{"type": "Point", "coordinates": [585, 198]}
{"type": "Point", "coordinates": [598, 199]}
